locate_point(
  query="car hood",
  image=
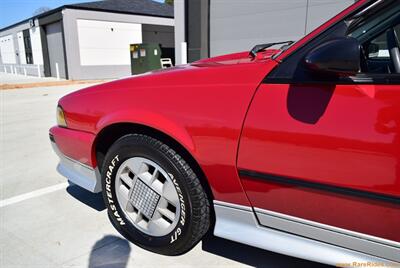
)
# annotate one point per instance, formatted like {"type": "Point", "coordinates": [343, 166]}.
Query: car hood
{"type": "Point", "coordinates": [237, 68]}
{"type": "Point", "coordinates": [235, 76]}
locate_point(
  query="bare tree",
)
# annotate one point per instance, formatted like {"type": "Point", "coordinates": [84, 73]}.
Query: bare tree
{"type": "Point", "coordinates": [41, 10]}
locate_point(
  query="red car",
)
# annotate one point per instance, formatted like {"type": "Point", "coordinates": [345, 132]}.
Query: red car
{"type": "Point", "coordinates": [294, 150]}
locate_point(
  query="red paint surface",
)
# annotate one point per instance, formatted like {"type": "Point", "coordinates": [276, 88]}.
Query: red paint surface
{"type": "Point", "coordinates": [75, 144]}
{"type": "Point", "coordinates": [345, 135]}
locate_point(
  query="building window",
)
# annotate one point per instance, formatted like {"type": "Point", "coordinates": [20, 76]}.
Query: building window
{"type": "Point", "coordinates": [28, 47]}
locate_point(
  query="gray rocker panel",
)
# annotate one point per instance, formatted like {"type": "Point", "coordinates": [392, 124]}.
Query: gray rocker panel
{"type": "Point", "coordinates": [239, 223]}
{"type": "Point", "coordinates": [353, 240]}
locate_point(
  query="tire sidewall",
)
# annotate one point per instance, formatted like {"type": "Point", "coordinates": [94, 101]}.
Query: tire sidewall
{"type": "Point", "coordinates": [132, 146]}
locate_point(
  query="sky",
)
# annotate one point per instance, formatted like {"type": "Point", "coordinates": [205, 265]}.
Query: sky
{"type": "Point", "coordinates": [12, 11]}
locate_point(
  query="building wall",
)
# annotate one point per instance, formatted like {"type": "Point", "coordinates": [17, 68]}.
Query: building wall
{"type": "Point", "coordinates": [13, 52]}
{"type": "Point", "coordinates": [81, 53]}
{"type": "Point", "coordinates": [320, 11]}
{"type": "Point", "coordinates": [247, 23]}
{"type": "Point", "coordinates": [197, 22]}
{"type": "Point", "coordinates": [93, 45]}
{"type": "Point", "coordinates": [163, 35]}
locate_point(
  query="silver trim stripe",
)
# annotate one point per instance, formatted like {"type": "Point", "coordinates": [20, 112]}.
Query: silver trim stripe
{"type": "Point", "coordinates": [329, 227]}
{"type": "Point", "coordinates": [231, 205]}
{"type": "Point", "coordinates": [321, 233]}
{"type": "Point", "coordinates": [241, 225]}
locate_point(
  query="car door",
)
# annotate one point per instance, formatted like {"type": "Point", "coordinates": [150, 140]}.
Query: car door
{"type": "Point", "coordinates": [320, 157]}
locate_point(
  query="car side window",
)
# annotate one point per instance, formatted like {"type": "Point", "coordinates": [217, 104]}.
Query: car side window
{"type": "Point", "coordinates": [397, 29]}
{"type": "Point", "coordinates": [373, 37]}
{"type": "Point", "coordinates": [375, 55]}
{"type": "Point", "coordinates": [378, 49]}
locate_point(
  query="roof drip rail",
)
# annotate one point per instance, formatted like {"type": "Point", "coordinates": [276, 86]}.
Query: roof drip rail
{"type": "Point", "coordinates": [367, 9]}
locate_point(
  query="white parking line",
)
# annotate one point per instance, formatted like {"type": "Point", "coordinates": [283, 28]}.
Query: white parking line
{"type": "Point", "coordinates": [33, 194]}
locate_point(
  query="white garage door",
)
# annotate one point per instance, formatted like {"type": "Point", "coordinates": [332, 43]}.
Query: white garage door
{"type": "Point", "coordinates": [105, 42]}
{"type": "Point", "coordinates": [7, 49]}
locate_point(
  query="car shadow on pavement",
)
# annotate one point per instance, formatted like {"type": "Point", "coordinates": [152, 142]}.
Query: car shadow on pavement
{"type": "Point", "coordinates": [110, 252]}
{"type": "Point", "coordinates": [253, 256]}
{"type": "Point", "coordinates": [92, 200]}
{"type": "Point", "coordinates": [113, 251]}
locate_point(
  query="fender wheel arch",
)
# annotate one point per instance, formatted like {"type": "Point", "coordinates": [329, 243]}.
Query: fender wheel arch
{"type": "Point", "coordinates": [109, 135]}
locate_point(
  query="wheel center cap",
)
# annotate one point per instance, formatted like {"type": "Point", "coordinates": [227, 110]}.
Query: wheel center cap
{"type": "Point", "coordinates": [144, 199]}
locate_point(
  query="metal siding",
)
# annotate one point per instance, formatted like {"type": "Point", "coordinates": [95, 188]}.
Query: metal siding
{"type": "Point", "coordinates": [319, 11]}
{"type": "Point", "coordinates": [239, 25]}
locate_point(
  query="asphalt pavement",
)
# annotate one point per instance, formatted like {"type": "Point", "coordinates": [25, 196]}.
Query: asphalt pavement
{"type": "Point", "coordinates": [45, 222]}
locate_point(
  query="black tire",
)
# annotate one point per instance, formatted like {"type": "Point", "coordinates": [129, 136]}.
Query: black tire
{"type": "Point", "coordinates": [195, 209]}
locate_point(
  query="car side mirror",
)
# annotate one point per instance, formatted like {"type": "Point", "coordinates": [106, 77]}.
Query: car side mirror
{"type": "Point", "coordinates": [339, 57]}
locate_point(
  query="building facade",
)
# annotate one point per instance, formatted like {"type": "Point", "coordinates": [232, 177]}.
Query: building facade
{"type": "Point", "coordinates": [214, 27]}
{"type": "Point", "coordinates": [85, 41]}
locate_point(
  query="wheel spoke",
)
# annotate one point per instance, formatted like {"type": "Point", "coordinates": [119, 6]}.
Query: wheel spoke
{"type": "Point", "coordinates": [167, 213]}
{"type": "Point", "coordinates": [135, 165]}
{"type": "Point", "coordinates": [126, 179]}
{"type": "Point", "coordinates": [139, 217]}
{"type": "Point", "coordinates": [155, 225]}
{"type": "Point", "coordinates": [157, 185]}
{"type": "Point", "coordinates": [169, 193]}
{"type": "Point", "coordinates": [146, 177]}
{"type": "Point", "coordinates": [123, 198]}
{"type": "Point", "coordinates": [154, 176]}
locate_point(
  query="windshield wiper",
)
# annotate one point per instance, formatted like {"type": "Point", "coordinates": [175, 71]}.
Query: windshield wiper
{"type": "Point", "coordinates": [261, 47]}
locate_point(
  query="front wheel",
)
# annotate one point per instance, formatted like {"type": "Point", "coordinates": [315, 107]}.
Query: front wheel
{"type": "Point", "coordinates": [153, 197]}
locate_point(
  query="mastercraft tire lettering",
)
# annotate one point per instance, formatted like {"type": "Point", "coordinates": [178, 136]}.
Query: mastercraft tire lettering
{"type": "Point", "coordinates": [110, 200]}
{"type": "Point", "coordinates": [153, 196]}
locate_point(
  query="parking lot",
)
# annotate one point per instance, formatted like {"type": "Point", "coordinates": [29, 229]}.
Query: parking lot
{"type": "Point", "coordinates": [45, 222]}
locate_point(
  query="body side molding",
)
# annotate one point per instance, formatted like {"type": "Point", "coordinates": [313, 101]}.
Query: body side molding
{"type": "Point", "coordinates": [319, 186]}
